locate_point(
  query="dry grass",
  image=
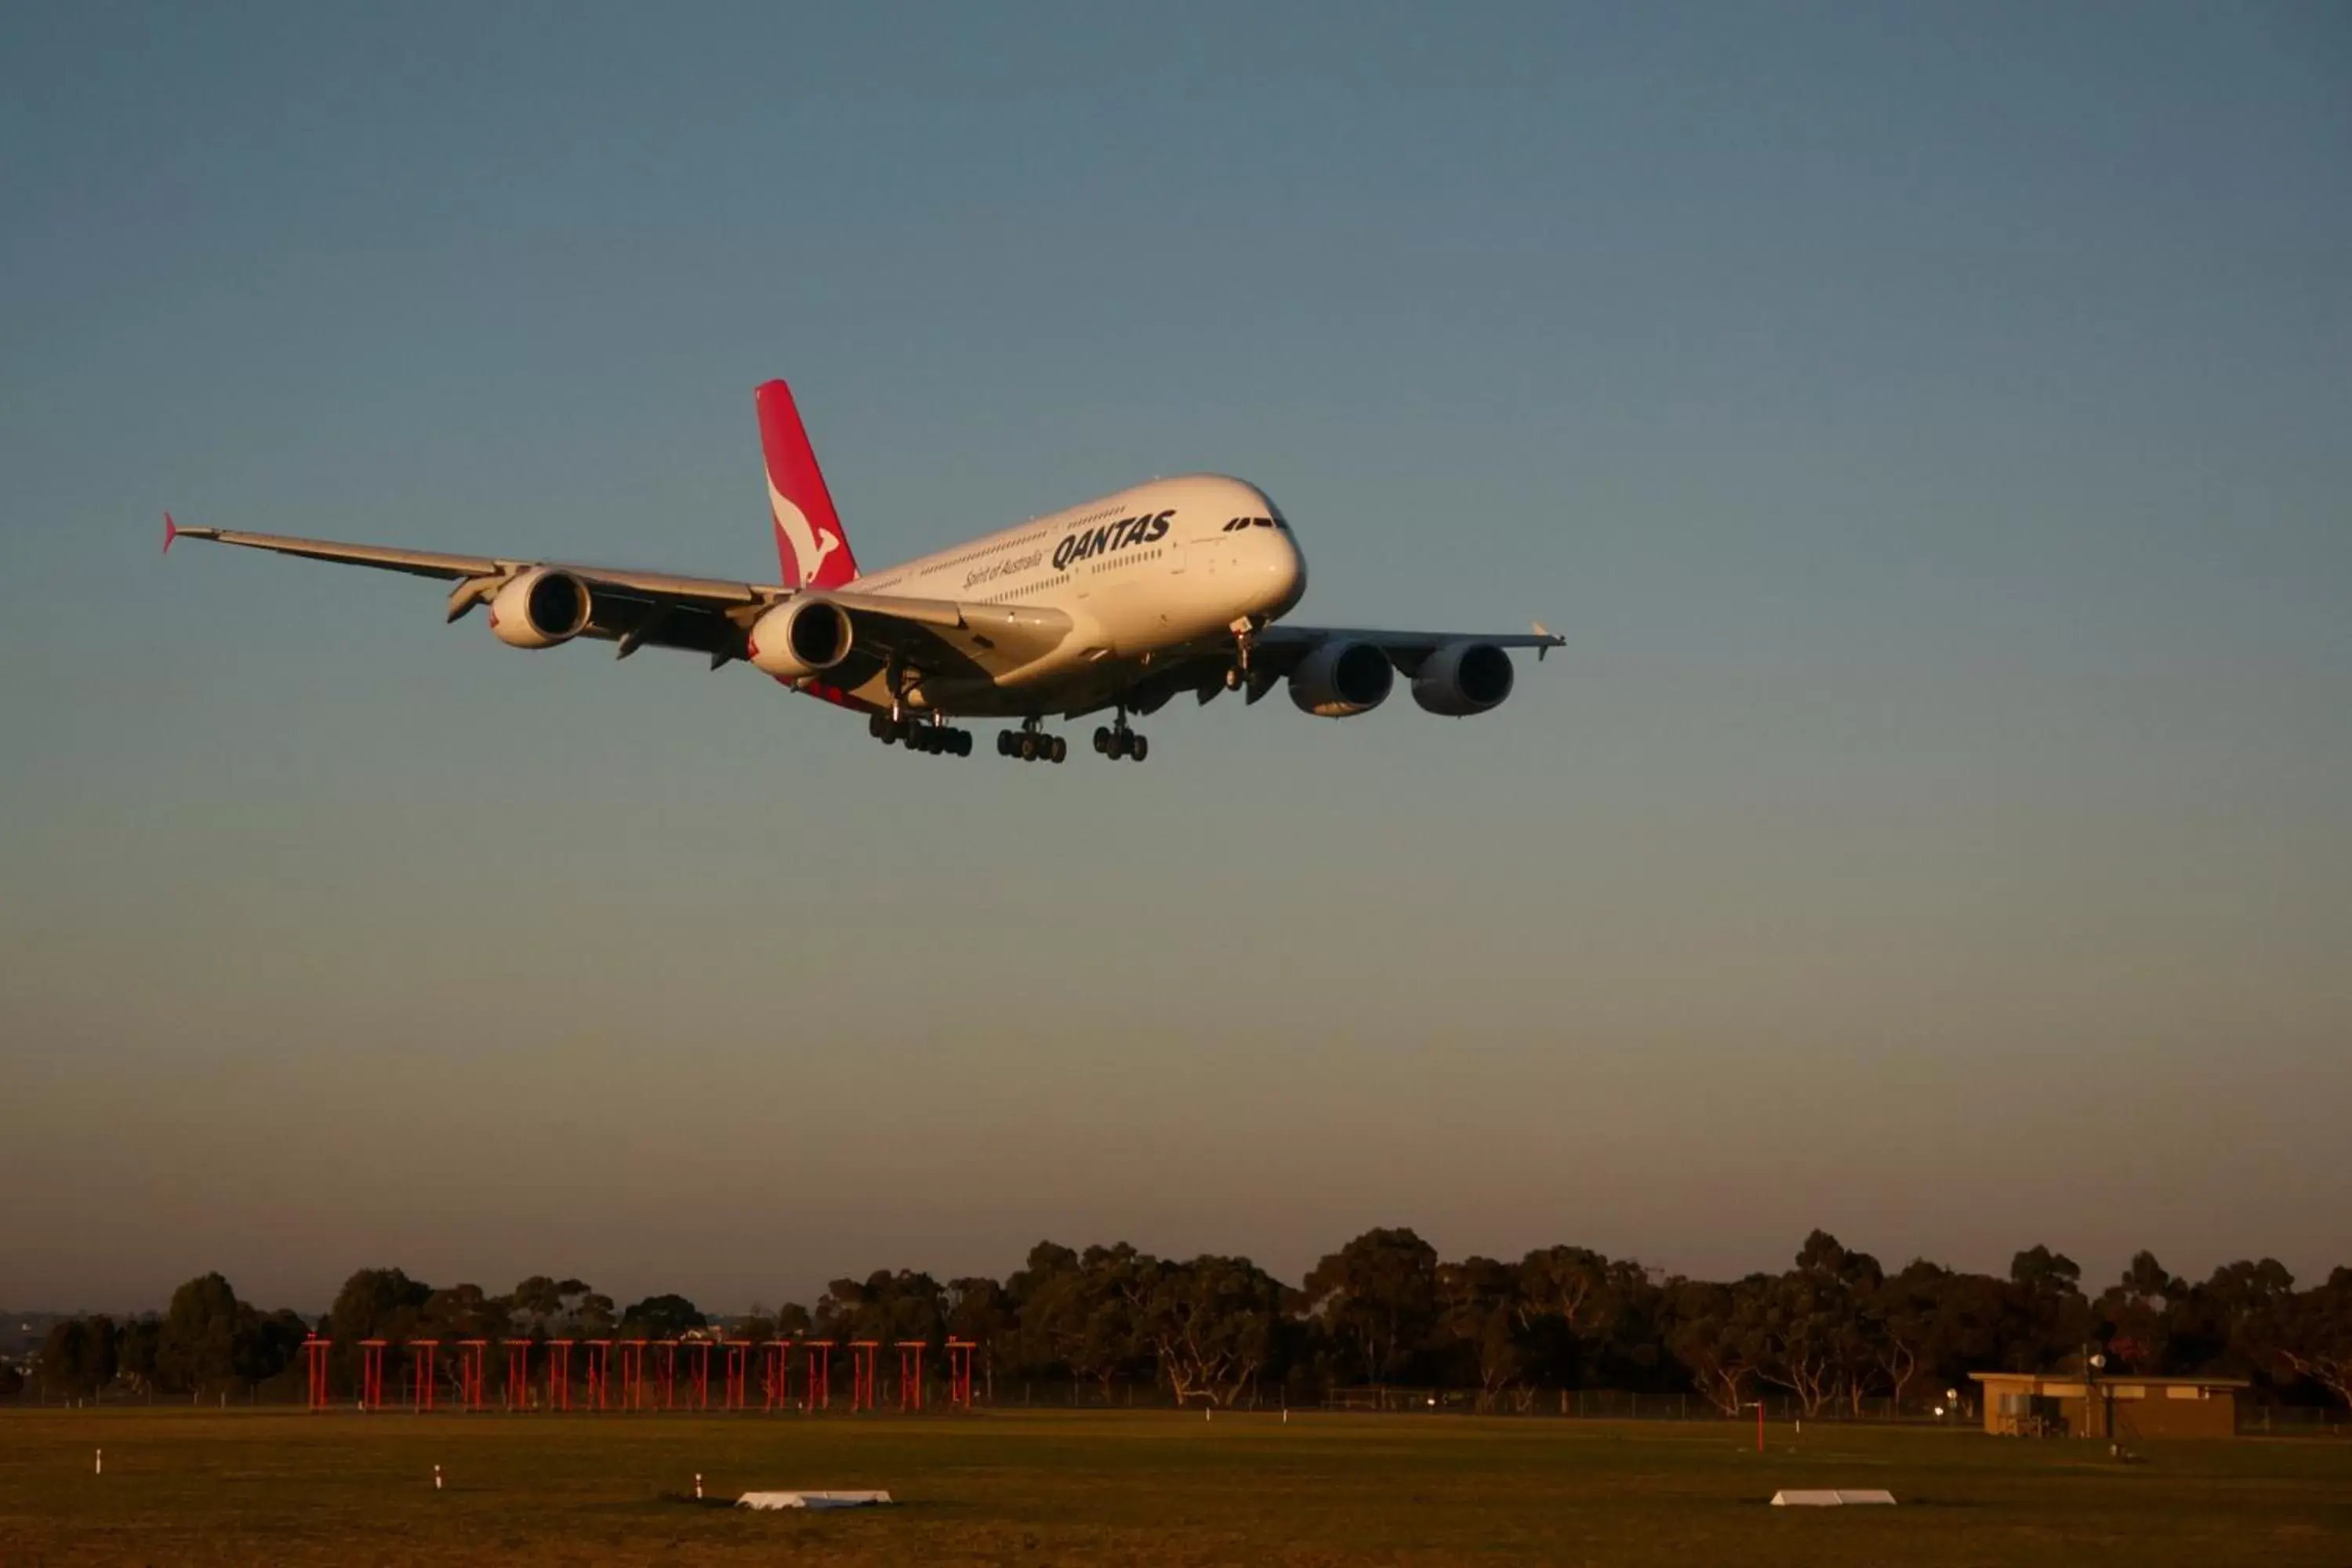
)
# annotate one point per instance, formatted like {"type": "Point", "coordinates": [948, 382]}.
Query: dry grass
{"type": "Point", "coordinates": [1144, 1487]}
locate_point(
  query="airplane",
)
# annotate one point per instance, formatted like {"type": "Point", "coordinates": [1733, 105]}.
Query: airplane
{"type": "Point", "coordinates": [1121, 604]}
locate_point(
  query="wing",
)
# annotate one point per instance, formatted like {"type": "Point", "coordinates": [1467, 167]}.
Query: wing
{"type": "Point", "coordinates": [1280, 648]}
{"type": "Point", "coordinates": [704, 615]}
{"type": "Point", "coordinates": [634, 609]}
{"type": "Point", "coordinates": [1277, 649]}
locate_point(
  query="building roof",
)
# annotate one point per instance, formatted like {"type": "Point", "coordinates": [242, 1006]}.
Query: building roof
{"type": "Point", "coordinates": [2104, 1377]}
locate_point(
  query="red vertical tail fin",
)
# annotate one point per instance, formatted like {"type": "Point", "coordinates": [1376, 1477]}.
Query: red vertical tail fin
{"type": "Point", "coordinates": [810, 543]}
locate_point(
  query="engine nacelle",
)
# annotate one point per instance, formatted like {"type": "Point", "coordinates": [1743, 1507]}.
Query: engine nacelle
{"type": "Point", "coordinates": [799, 638]}
{"type": "Point", "coordinates": [540, 608]}
{"type": "Point", "coordinates": [1464, 678]}
{"type": "Point", "coordinates": [1342, 677]}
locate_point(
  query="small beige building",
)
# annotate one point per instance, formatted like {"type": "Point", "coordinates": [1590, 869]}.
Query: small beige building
{"type": "Point", "coordinates": [2119, 1407]}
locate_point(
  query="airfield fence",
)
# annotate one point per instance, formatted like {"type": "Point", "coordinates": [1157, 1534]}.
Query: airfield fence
{"type": "Point", "coordinates": [1533, 1404]}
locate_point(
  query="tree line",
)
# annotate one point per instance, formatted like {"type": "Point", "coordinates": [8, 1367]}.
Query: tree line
{"type": "Point", "coordinates": [1832, 1331]}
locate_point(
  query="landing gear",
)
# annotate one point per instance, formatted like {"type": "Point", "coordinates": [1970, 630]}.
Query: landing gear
{"type": "Point", "coordinates": [1244, 632]}
{"type": "Point", "coordinates": [1031, 744]}
{"type": "Point", "coordinates": [935, 738]}
{"type": "Point", "coordinates": [1118, 740]}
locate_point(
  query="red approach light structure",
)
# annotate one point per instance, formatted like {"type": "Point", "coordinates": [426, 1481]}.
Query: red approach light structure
{"type": "Point", "coordinates": [372, 1374]}
{"type": "Point", "coordinates": [559, 1374]}
{"type": "Point", "coordinates": [633, 1374]}
{"type": "Point", "coordinates": [960, 1372]}
{"type": "Point", "coordinates": [421, 1375]}
{"type": "Point", "coordinates": [863, 1356]}
{"type": "Point", "coordinates": [473, 1370]}
{"type": "Point", "coordinates": [314, 1355]}
{"type": "Point", "coordinates": [600, 1372]}
{"type": "Point", "coordinates": [819, 1382]}
{"type": "Point", "coordinates": [517, 1373]}
{"type": "Point", "coordinates": [775, 1375]}
{"type": "Point", "coordinates": [739, 1357]}
{"type": "Point", "coordinates": [910, 1374]}
{"type": "Point", "coordinates": [472, 1374]}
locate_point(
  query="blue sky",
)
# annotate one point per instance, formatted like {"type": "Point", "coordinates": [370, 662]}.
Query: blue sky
{"type": "Point", "coordinates": [1927, 422]}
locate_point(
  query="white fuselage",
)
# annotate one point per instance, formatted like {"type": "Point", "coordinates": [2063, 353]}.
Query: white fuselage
{"type": "Point", "coordinates": [1143, 574]}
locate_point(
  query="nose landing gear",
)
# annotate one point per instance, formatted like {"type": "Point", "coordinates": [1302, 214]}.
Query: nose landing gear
{"type": "Point", "coordinates": [1244, 632]}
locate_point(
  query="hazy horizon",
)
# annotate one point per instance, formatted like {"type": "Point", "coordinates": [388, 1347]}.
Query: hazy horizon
{"type": "Point", "coordinates": [1927, 426]}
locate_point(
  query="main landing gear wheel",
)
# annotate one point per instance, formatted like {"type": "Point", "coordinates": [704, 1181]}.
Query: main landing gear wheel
{"type": "Point", "coordinates": [1121, 741]}
{"type": "Point", "coordinates": [930, 740]}
{"type": "Point", "coordinates": [1031, 746]}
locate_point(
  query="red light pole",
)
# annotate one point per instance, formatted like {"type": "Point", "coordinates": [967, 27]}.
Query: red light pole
{"type": "Point", "coordinates": [420, 1366]}
{"type": "Point", "coordinates": [518, 1374]}
{"type": "Point", "coordinates": [371, 1374]}
{"type": "Point", "coordinates": [473, 1358]}
{"type": "Point", "coordinates": [960, 1372]}
{"type": "Point", "coordinates": [667, 1370]}
{"type": "Point", "coordinates": [314, 1353]}
{"type": "Point", "coordinates": [863, 1354]}
{"type": "Point", "coordinates": [820, 1374]}
{"type": "Point", "coordinates": [559, 1374]}
{"type": "Point", "coordinates": [600, 1372]}
{"type": "Point", "coordinates": [739, 1356]}
{"type": "Point", "coordinates": [910, 1374]}
{"type": "Point", "coordinates": [633, 1374]}
{"type": "Point", "coordinates": [775, 1374]}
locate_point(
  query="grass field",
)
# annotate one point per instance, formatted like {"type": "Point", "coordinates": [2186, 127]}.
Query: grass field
{"type": "Point", "coordinates": [1137, 1488]}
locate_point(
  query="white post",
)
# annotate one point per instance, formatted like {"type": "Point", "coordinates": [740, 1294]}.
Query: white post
{"type": "Point", "coordinates": [102, 1462]}
{"type": "Point", "coordinates": [436, 1478]}
{"type": "Point", "coordinates": [698, 1484]}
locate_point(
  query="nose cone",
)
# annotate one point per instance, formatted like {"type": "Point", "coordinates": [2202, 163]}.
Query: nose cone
{"type": "Point", "coordinates": [1285, 573]}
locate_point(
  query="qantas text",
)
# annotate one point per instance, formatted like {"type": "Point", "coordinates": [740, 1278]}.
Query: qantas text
{"type": "Point", "coordinates": [1094, 541]}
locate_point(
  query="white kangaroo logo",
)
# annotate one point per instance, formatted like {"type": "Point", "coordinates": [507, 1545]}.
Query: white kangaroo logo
{"type": "Point", "coordinates": [811, 544]}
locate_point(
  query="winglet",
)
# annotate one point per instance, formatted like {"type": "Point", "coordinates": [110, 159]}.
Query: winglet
{"type": "Point", "coordinates": [1551, 640]}
{"type": "Point", "coordinates": [171, 533]}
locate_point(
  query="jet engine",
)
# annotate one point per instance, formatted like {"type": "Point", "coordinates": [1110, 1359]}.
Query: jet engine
{"type": "Point", "coordinates": [800, 638]}
{"type": "Point", "coordinates": [1341, 678]}
{"type": "Point", "coordinates": [1463, 678]}
{"type": "Point", "coordinates": [540, 608]}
